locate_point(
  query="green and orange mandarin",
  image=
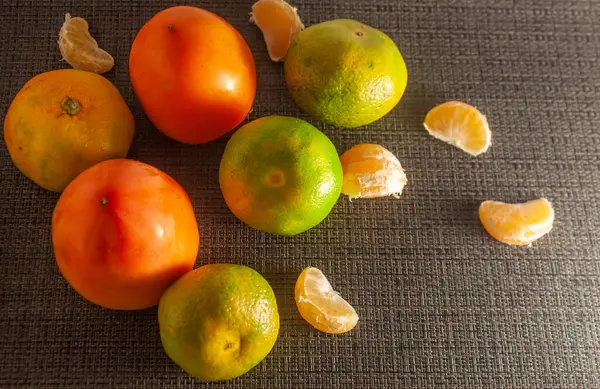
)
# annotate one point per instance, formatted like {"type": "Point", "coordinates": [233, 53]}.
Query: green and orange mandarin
{"type": "Point", "coordinates": [218, 321]}
{"type": "Point", "coordinates": [281, 175]}
{"type": "Point", "coordinates": [345, 73]}
{"type": "Point", "coordinates": [63, 122]}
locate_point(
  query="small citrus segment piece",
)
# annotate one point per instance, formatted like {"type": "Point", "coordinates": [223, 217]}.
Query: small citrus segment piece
{"type": "Point", "coordinates": [321, 306]}
{"type": "Point", "coordinates": [517, 224]}
{"type": "Point", "coordinates": [372, 171]}
{"type": "Point", "coordinates": [279, 23]}
{"type": "Point", "coordinates": [80, 49]}
{"type": "Point", "coordinates": [461, 125]}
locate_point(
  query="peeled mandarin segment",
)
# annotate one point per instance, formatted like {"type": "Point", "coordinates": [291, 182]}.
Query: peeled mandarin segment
{"type": "Point", "coordinates": [321, 306]}
{"type": "Point", "coordinates": [517, 224]}
{"type": "Point", "coordinates": [372, 171]}
{"type": "Point", "coordinates": [279, 24]}
{"type": "Point", "coordinates": [80, 49]}
{"type": "Point", "coordinates": [461, 125]}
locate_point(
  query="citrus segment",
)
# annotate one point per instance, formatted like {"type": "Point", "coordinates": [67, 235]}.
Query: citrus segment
{"type": "Point", "coordinates": [372, 171]}
{"type": "Point", "coordinates": [517, 224]}
{"type": "Point", "coordinates": [279, 23]}
{"type": "Point", "coordinates": [321, 306]}
{"type": "Point", "coordinates": [461, 125]}
{"type": "Point", "coordinates": [80, 49]}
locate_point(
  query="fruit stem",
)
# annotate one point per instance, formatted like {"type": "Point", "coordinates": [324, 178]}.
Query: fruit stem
{"type": "Point", "coordinates": [71, 106]}
{"type": "Point", "coordinates": [103, 201]}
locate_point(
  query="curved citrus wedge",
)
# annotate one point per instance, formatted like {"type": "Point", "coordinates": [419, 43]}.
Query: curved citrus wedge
{"type": "Point", "coordinates": [372, 171]}
{"type": "Point", "coordinates": [321, 306]}
{"type": "Point", "coordinates": [279, 23]}
{"type": "Point", "coordinates": [517, 224]}
{"type": "Point", "coordinates": [80, 49]}
{"type": "Point", "coordinates": [461, 125]}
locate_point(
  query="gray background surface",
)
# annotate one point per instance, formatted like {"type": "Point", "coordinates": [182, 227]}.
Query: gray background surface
{"type": "Point", "coordinates": [442, 305]}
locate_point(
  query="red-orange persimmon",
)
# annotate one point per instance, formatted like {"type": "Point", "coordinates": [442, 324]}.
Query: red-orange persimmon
{"type": "Point", "coordinates": [193, 74]}
{"type": "Point", "coordinates": [122, 232]}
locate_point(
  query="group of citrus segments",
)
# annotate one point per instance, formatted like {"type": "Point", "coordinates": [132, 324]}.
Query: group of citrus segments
{"type": "Point", "coordinates": [278, 174]}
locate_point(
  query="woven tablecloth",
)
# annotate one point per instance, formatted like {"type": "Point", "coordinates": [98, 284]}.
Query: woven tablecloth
{"type": "Point", "coordinates": [441, 304]}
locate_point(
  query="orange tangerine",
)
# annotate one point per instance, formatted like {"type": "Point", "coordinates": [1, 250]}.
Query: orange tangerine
{"type": "Point", "coordinates": [321, 306]}
{"type": "Point", "coordinates": [372, 171]}
{"type": "Point", "coordinates": [80, 49]}
{"type": "Point", "coordinates": [517, 224]}
{"type": "Point", "coordinates": [63, 122]}
{"type": "Point", "coordinates": [279, 23]}
{"type": "Point", "coordinates": [461, 125]}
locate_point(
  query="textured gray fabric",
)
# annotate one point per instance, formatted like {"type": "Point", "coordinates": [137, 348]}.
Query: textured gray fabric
{"type": "Point", "coordinates": [442, 305]}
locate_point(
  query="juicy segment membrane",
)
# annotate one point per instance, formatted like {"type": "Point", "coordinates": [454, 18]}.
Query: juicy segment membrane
{"type": "Point", "coordinates": [517, 224]}
{"type": "Point", "coordinates": [321, 306]}
{"type": "Point", "coordinates": [80, 49]}
{"type": "Point", "coordinates": [279, 23]}
{"type": "Point", "coordinates": [372, 171]}
{"type": "Point", "coordinates": [460, 125]}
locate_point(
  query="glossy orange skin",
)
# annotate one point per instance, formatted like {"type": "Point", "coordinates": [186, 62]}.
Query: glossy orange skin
{"type": "Point", "coordinates": [122, 232]}
{"type": "Point", "coordinates": [193, 73]}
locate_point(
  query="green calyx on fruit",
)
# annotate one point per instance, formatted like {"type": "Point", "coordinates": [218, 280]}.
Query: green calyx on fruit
{"type": "Point", "coordinates": [71, 106]}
